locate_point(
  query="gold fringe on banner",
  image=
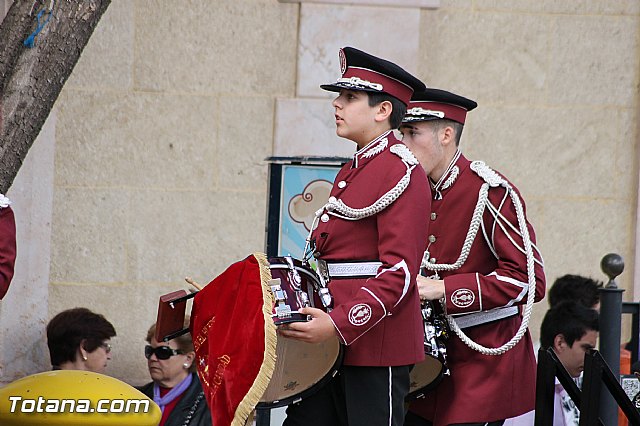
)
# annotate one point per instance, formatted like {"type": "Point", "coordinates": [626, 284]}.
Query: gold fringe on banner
{"type": "Point", "coordinates": [251, 399]}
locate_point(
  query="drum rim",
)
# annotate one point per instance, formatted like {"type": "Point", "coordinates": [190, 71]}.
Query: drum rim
{"type": "Point", "coordinates": [418, 393]}
{"type": "Point", "coordinates": [310, 390]}
{"type": "Point", "coordinates": [306, 271]}
{"type": "Point", "coordinates": [305, 393]}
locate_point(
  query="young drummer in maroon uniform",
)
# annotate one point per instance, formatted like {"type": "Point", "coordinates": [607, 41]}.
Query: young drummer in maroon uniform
{"type": "Point", "coordinates": [371, 234]}
{"type": "Point", "coordinates": [7, 244]}
{"type": "Point", "coordinates": [481, 262]}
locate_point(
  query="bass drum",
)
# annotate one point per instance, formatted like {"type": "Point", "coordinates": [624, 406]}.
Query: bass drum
{"type": "Point", "coordinates": [425, 376]}
{"type": "Point", "coordinates": [301, 368]}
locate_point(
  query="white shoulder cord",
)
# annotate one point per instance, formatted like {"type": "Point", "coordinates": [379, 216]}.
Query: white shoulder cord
{"type": "Point", "coordinates": [491, 239]}
{"type": "Point", "coordinates": [338, 208]}
{"type": "Point", "coordinates": [476, 219]}
{"type": "Point", "coordinates": [501, 221]}
{"type": "Point", "coordinates": [493, 179]}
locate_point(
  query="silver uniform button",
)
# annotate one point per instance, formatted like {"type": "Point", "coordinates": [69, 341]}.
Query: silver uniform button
{"type": "Point", "coordinates": [342, 184]}
{"type": "Point", "coordinates": [434, 216]}
{"type": "Point", "coordinates": [432, 238]}
{"type": "Point", "coordinates": [432, 260]}
{"type": "Point", "coordinates": [324, 218]}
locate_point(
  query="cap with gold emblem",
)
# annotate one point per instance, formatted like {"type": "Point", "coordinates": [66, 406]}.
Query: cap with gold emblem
{"type": "Point", "coordinates": [362, 71]}
{"type": "Point", "coordinates": [434, 104]}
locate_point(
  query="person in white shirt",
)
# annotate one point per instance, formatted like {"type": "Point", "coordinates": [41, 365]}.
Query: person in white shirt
{"type": "Point", "coordinates": [571, 330]}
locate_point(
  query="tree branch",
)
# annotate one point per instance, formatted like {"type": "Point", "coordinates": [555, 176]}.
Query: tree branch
{"type": "Point", "coordinates": [31, 79]}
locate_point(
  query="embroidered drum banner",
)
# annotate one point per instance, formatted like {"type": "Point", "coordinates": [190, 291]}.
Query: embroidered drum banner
{"type": "Point", "coordinates": [235, 339]}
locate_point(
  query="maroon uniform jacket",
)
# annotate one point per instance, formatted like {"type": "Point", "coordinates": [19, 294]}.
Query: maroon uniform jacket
{"type": "Point", "coordinates": [7, 247]}
{"type": "Point", "coordinates": [378, 317]}
{"type": "Point", "coordinates": [481, 387]}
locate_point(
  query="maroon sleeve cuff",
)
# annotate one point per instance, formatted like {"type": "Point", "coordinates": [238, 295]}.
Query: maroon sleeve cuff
{"type": "Point", "coordinates": [7, 248]}
{"type": "Point", "coordinates": [354, 319]}
{"type": "Point", "coordinates": [462, 294]}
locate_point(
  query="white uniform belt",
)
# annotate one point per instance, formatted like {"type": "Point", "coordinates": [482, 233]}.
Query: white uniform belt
{"type": "Point", "coordinates": [353, 269]}
{"type": "Point", "coordinates": [478, 318]}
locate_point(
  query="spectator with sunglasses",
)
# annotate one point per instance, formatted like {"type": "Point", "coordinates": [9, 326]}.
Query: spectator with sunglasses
{"type": "Point", "coordinates": [78, 339]}
{"type": "Point", "coordinates": [175, 386]}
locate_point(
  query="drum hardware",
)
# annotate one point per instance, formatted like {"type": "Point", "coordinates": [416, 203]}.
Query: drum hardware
{"type": "Point", "coordinates": [325, 298]}
{"type": "Point", "coordinates": [292, 293]}
{"type": "Point", "coordinates": [296, 281]}
{"type": "Point", "coordinates": [281, 308]}
{"type": "Point", "coordinates": [301, 368]}
{"type": "Point", "coordinates": [436, 332]}
{"type": "Point", "coordinates": [322, 272]}
{"type": "Point", "coordinates": [427, 374]}
{"type": "Point", "coordinates": [171, 313]}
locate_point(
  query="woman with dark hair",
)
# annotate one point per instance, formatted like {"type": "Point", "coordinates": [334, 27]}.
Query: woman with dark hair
{"type": "Point", "coordinates": [78, 339]}
{"type": "Point", "coordinates": [175, 386]}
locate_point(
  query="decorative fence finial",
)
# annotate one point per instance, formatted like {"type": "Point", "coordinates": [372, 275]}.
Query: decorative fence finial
{"type": "Point", "coordinates": [612, 265]}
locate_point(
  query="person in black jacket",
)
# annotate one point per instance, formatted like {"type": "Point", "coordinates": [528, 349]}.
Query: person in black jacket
{"type": "Point", "coordinates": [175, 386]}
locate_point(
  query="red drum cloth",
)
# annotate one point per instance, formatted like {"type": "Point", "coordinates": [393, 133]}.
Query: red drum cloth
{"type": "Point", "coordinates": [7, 248]}
{"type": "Point", "coordinates": [235, 339]}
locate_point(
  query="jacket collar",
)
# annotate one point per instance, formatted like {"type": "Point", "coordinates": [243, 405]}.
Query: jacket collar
{"type": "Point", "coordinates": [448, 179]}
{"type": "Point", "coordinates": [373, 148]}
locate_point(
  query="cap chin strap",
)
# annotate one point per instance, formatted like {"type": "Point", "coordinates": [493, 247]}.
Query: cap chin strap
{"type": "Point", "coordinates": [492, 179]}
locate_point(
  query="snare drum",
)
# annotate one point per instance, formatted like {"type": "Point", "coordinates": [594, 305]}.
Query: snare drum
{"type": "Point", "coordinates": [427, 374]}
{"type": "Point", "coordinates": [301, 368]}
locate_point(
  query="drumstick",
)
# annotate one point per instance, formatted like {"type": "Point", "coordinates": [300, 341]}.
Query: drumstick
{"type": "Point", "coordinates": [193, 283]}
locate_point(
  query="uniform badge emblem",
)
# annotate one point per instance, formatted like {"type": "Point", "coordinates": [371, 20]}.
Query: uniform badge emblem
{"type": "Point", "coordinates": [360, 314]}
{"type": "Point", "coordinates": [343, 62]}
{"type": "Point", "coordinates": [463, 298]}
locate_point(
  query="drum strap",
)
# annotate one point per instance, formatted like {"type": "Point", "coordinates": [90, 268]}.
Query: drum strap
{"type": "Point", "coordinates": [355, 269]}
{"type": "Point", "coordinates": [478, 318]}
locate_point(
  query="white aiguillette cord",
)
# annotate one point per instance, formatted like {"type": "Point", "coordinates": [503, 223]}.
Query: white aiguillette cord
{"type": "Point", "coordinates": [493, 179]}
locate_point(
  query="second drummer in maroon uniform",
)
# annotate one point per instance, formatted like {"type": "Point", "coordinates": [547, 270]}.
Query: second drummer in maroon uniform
{"type": "Point", "coordinates": [371, 234]}
{"type": "Point", "coordinates": [482, 263]}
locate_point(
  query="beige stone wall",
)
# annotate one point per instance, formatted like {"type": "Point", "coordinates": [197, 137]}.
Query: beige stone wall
{"type": "Point", "coordinates": [162, 131]}
{"type": "Point", "coordinates": [557, 87]}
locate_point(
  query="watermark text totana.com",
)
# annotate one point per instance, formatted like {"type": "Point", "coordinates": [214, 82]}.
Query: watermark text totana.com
{"type": "Point", "coordinates": [43, 405]}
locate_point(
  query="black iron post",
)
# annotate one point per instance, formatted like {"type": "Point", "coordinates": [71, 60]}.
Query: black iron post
{"type": "Point", "coordinates": [545, 388]}
{"type": "Point", "coordinates": [593, 392]}
{"type": "Point", "coordinates": [610, 319]}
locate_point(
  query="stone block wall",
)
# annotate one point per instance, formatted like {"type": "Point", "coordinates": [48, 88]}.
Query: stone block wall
{"type": "Point", "coordinates": [556, 85]}
{"type": "Point", "coordinates": [160, 173]}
